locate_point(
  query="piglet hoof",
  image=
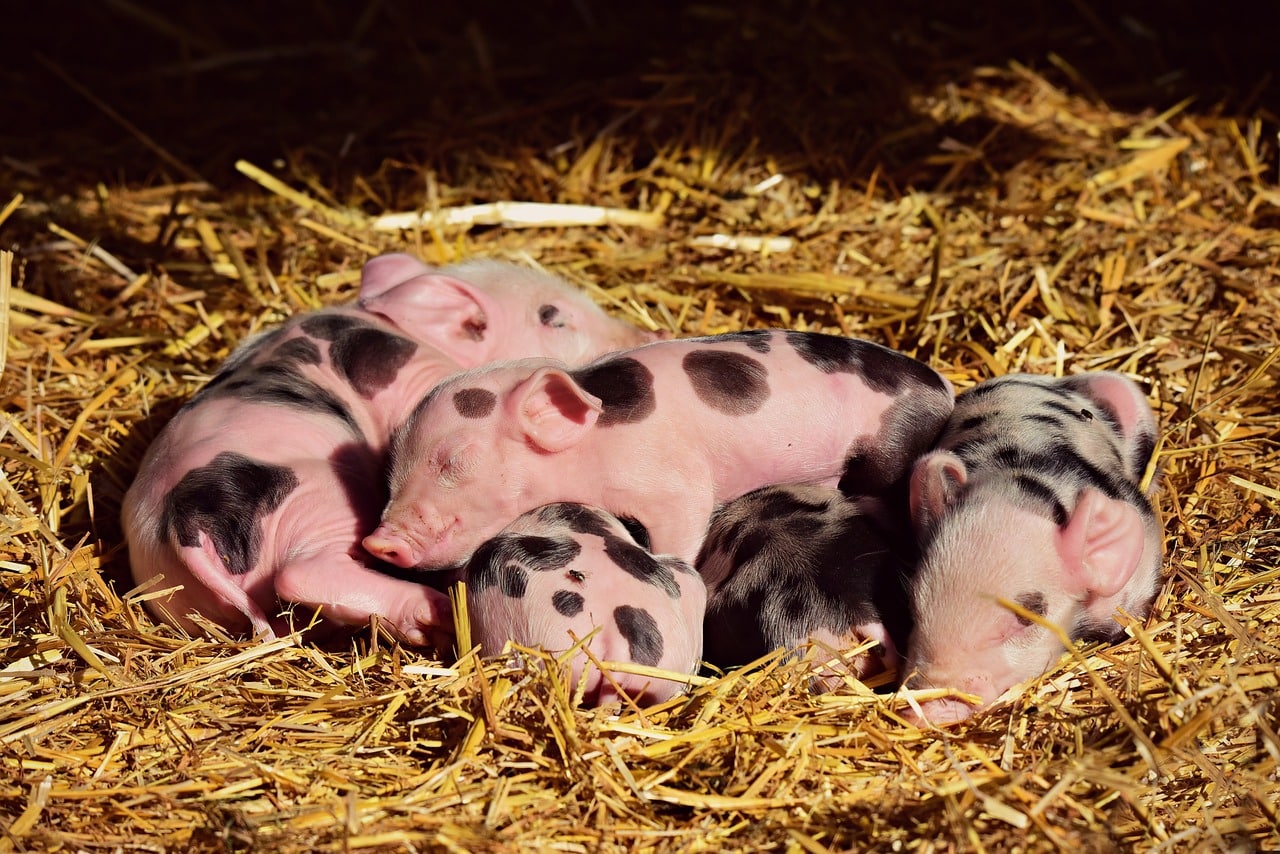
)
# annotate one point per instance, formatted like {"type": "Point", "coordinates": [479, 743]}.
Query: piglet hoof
{"type": "Point", "coordinates": [425, 620]}
{"type": "Point", "coordinates": [941, 712]}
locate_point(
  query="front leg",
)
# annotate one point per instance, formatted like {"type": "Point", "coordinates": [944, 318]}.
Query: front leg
{"type": "Point", "coordinates": [348, 592]}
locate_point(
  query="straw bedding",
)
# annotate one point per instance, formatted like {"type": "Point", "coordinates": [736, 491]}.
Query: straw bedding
{"type": "Point", "coordinates": [987, 196]}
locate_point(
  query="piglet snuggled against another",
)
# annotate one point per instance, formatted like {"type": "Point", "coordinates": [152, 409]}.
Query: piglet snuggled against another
{"type": "Point", "coordinates": [261, 488]}
{"type": "Point", "coordinates": [1034, 496]}
{"type": "Point", "coordinates": [560, 572]}
{"type": "Point", "coordinates": [806, 564]}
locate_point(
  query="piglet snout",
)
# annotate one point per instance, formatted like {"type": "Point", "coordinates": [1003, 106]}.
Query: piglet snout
{"type": "Point", "coordinates": [393, 545]}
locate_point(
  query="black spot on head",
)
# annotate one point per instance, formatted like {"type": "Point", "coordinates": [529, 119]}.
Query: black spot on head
{"type": "Point", "coordinates": [505, 560]}
{"type": "Point", "coordinates": [567, 603]}
{"type": "Point", "coordinates": [728, 382]}
{"type": "Point", "coordinates": [973, 422]}
{"type": "Point", "coordinates": [226, 500]}
{"type": "Point", "coordinates": [641, 565]}
{"type": "Point", "coordinates": [1144, 446]}
{"type": "Point", "coordinates": [474, 402]}
{"type": "Point", "coordinates": [625, 389]}
{"type": "Point", "coordinates": [579, 518]}
{"type": "Point", "coordinates": [755, 339]}
{"type": "Point", "coordinates": [640, 630]}
{"type": "Point", "coordinates": [1033, 602]}
{"type": "Point", "coordinates": [369, 358]}
{"type": "Point", "coordinates": [1041, 491]}
{"type": "Point", "coordinates": [548, 316]}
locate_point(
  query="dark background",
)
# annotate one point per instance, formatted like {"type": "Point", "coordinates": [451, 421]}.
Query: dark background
{"type": "Point", "coordinates": [342, 87]}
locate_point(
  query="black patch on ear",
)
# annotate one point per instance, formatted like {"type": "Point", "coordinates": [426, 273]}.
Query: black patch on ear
{"type": "Point", "coordinates": [1033, 602]}
{"type": "Point", "coordinates": [548, 314]}
{"type": "Point", "coordinates": [227, 499]}
{"type": "Point", "coordinates": [567, 603]}
{"type": "Point", "coordinates": [755, 339]}
{"type": "Point", "coordinates": [625, 389]}
{"type": "Point", "coordinates": [474, 402]}
{"type": "Point", "coordinates": [370, 358]}
{"type": "Point", "coordinates": [640, 630]}
{"type": "Point", "coordinates": [506, 559]}
{"type": "Point", "coordinates": [641, 565]}
{"type": "Point", "coordinates": [728, 382]}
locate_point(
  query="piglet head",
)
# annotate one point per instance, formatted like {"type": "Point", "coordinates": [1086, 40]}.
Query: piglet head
{"type": "Point", "coordinates": [477, 452]}
{"type": "Point", "coordinates": [483, 311]}
{"type": "Point", "coordinates": [984, 543]}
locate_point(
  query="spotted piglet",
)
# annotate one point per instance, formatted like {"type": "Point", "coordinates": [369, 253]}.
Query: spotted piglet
{"type": "Point", "coordinates": [565, 570]}
{"type": "Point", "coordinates": [1034, 496]}
{"type": "Point", "coordinates": [661, 434]}
{"type": "Point", "coordinates": [805, 564]}
{"type": "Point", "coordinates": [260, 489]}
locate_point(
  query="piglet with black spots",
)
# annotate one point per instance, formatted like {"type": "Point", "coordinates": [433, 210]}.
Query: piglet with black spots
{"type": "Point", "coordinates": [261, 488]}
{"type": "Point", "coordinates": [661, 434]}
{"type": "Point", "coordinates": [1034, 497]}
{"type": "Point", "coordinates": [804, 564]}
{"type": "Point", "coordinates": [563, 571]}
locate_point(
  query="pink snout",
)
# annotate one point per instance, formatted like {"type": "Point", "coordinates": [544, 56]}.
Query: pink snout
{"type": "Point", "coordinates": [394, 546]}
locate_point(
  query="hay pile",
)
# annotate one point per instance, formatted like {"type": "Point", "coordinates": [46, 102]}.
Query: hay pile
{"type": "Point", "coordinates": [985, 214]}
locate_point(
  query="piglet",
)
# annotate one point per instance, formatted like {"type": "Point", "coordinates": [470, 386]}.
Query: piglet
{"type": "Point", "coordinates": [565, 570]}
{"type": "Point", "coordinates": [261, 487]}
{"type": "Point", "coordinates": [661, 434]}
{"type": "Point", "coordinates": [1034, 496]}
{"type": "Point", "coordinates": [805, 564]}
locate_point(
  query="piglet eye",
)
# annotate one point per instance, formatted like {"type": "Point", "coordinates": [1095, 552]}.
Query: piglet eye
{"type": "Point", "coordinates": [548, 314]}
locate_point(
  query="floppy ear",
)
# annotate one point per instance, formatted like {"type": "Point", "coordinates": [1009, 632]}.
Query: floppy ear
{"type": "Point", "coordinates": [1101, 545]}
{"type": "Point", "coordinates": [552, 411]}
{"type": "Point", "coordinates": [383, 272]}
{"type": "Point", "coordinates": [936, 482]}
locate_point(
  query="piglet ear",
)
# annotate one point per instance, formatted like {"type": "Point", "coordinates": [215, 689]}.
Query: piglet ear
{"type": "Point", "coordinates": [445, 311]}
{"type": "Point", "coordinates": [552, 411]}
{"type": "Point", "coordinates": [383, 272]}
{"type": "Point", "coordinates": [936, 482]}
{"type": "Point", "coordinates": [1101, 545]}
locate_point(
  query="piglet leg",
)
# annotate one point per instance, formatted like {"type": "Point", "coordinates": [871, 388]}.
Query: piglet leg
{"type": "Point", "coordinates": [209, 570]}
{"type": "Point", "coordinates": [348, 592]}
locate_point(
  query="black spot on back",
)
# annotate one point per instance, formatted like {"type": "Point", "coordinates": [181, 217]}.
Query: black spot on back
{"type": "Point", "coordinates": [641, 565]}
{"type": "Point", "coordinates": [279, 385]}
{"type": "Point", "coordinates": [728, 382]}
{"type": "Point", "coordinates": [328, 327]}
{"type": "Point", "coordinates": [298, 351]}
{"type": "Point", "coordinates": [226, 500]}
{"type": "Point", "coordinates": [474, 402]}
{"type": "Point", "coordinates": [579, 518]}
{"type": "Point", "coordinates": [567, 603]}
{"type": "Point", "coordinates": [369, 358]}
{"type": "Point", "coordinates": [640, 630]}
{"type": "Point", "coordinates": [625, 389]}
{"type": "Point", "coordinates": [755, 339]}
{"type": "Point", "coordinates": [638, 532]}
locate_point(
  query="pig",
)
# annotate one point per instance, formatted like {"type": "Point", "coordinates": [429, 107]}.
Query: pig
{"type": "Point", "coordinates": [261, 488]}
{"type": "Point", "coordinates": [660, 434]}
{"type": "Point", "coordinates": [801, 564]}
{"type": "Point", "coordinates": [1034, 495]}
{"type": "Point", "coordinates": [568, 568]}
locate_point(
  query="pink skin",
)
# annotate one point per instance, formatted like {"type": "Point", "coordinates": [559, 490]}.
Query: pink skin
{"type": "Point", "coordinates": [533, 620]}
{"type": "Point", "coordinates": [310, 547]}
{"type": "Point", "coordinates": [457, 481]}
{"type": "Point", "coordinates": [993, 546]}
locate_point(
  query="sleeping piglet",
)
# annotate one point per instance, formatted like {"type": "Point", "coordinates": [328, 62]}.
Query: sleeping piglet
{"type": "Point", "coordinates": [1033, 496]}
{"type": "Point", "coordinates": [803, 563]}
{"type": "Point", "coordinates": [567, 568]}
{"type": "Point", "coordinates": [660, 434]}
{"type": "Point", "coordinates": [260, 489]}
